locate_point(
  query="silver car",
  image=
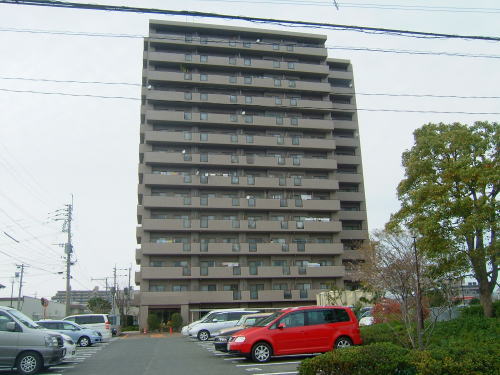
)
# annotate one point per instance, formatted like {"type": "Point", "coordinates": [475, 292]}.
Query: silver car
{"type": "Point", "coordinates": [25, 346]}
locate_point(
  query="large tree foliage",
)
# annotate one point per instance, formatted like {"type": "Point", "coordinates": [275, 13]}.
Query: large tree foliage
{"type": "Point", "coordinates": [99, 305]}
{"type": "Point", "coordinates": [449, 195]}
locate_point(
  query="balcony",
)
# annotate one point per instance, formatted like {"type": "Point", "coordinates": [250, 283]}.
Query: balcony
{"type": "Point", "coordinates": [214, 43]}
{"type": "Point", "coordinates": [195, 297]}
{"type": "Point", "coordinates": [218, 99]}
{"type": "Point", "coordinates": [217, 80]}
{"type": "Point", "coordinates": [238, 141]}
{"type": "Point", "coordinates": [175, 117]}
{"type": "Point", "coordinates": [249, 161]}
{"type": "Point", "coordinates": [153, 249]}
{"type": "Point", "coordinates": [346, 142]}
{"type": "Point", "coordinates": [349, 177]}
{"type": "Point", "coordinates": [240, 203]}
{"type": "Point", "coordinates": [354, 196]}
{"type": "Point", "coordinates": [352, 215]}
{"type": "Point", "coordinates": [269, 272]}
{"type": "Point", "coordinates": [348, 159]}
{"type": "Point", "coordinates": [181, 225]}
{"type": "Point", "coordinates": [242, 182]}
{"type": "Point", "coordinates": [237, 63]}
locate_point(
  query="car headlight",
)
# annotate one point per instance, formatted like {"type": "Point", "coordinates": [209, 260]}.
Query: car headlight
{"type": "Point", "coordinates": [51, 341]}
{"type": "Point", "coordinates": [240, 339]}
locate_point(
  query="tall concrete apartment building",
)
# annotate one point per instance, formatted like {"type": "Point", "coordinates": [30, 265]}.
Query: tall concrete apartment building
{"type": "Point", "coordinates": [250, 179]}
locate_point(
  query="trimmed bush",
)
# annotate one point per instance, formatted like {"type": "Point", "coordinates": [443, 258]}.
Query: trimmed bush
{"type": "Point", "coordinates": [375, 359]}
{"type": "Point", "coordinates": [153, 322]}
{"type": "Point", "coordinates": [385, 332]}
{"type": "Point", "coordinates": [130, 328]}
{"type": "Point", "coordinates": [176, 321]}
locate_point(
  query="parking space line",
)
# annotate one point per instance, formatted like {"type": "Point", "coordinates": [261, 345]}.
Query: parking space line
{"type": "Point", "coordinates": [280, 373]}
{"type": "Point", "coordinates": [270, 364]}
{"type": "Point", "coordinates": [234, 359]}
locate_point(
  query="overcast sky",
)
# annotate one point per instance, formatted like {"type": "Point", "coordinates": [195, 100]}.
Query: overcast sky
{"type": "Point", "coordinates": [52, 146]}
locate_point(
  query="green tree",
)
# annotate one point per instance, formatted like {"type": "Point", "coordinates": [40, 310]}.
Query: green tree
{"type": "Point", "coordinates": [99, 305]}
{"type": "Point", "coordinates": [449, 195]}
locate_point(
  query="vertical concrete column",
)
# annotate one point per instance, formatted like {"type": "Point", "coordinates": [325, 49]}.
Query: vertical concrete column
{"type": "Point", "coordinates": [185, 314]}
{"type": "Point", "coordinates": [143, 317]}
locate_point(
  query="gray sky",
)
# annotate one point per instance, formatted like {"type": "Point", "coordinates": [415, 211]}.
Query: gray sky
{"type": "Point", "coordinates": [53, 146]}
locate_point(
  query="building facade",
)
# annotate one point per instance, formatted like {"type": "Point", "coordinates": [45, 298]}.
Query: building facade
{"type": "Point", "coordinates": [250, 177]}
{"type": "Point", "coordinates": [81, 297]}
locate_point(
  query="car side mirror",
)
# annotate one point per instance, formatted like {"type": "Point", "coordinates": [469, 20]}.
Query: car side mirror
{"type": "Point", "coordinates": [281, 325]}
{"type": "Point", "coordinates": [11, 326]}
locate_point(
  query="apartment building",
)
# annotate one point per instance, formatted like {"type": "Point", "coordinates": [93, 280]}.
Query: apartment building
{"type": "Point", "coordinates": [250, 178]}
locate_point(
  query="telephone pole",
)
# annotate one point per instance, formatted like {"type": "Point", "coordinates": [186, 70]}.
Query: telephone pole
{"type": "Point", "coordinates": [20, 285]}
{"type": "Point", "coordinates": [68, 249]}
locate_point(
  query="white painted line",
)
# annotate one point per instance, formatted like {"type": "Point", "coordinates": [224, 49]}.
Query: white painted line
{"type": "Point", "coordinates": [65, 367]}
{"type": "Point", "coordinates": [281, 373]}
{"type": "Point", "coordinates": [271, 364]}
{"type": "Point", "coordinates": [253, 369]}
{"type": "Point", "coordinates": [222, 354]}
{"type": "Point", "coordinates": [234, 359]}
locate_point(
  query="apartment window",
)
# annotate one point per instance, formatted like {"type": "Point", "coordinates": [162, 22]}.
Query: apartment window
{"type": "Point", "coordinates": [276, 64]}
{"type": "Point", "coordinates": [188, 76]}
{"type": "Point", "coordinates": [234, 159]}
{"type": "Point", "coordinates": [290, 48]}
{"type": "Point", "coordinates": [252, 224]}
{"type": "Point", "coordinates": [281, 160]}
{"type": "Point", "coordinates": [251, 202]}
{"type": "Point", "coordinates": [157, 288]}
{"type": "Point", "coordinates": [203, 77]}
{"type": "Point", "coordinates": [186, 223]}
{"type": "Point", "coordinates": [293, 101]}
{"type": "Point", "coordinates": [237, 270]}
{"type": "Point", "coordinates": [248, 100]}
{"type": "Point", "coordinates": [235, 223]}
{"type": "Point", "coordinates": [236, 247]}
{"type": "Point", "coordinates": [277, 100]}
{"type": "Point", "coordinates": [188, 38]}
{"type": "Point", "coordinates": [292, 83]}
{"type": "Point", "coordinates": [232, 79]}
{"type": "Point", "coordinates": [203, 222]}
{"type": "Point", "coordinates": [188, 96]}
{"type": "Point", "coordinates": [188, 57]}
{"type": "Point", "coordinates": [235, 180]}
{"type": "Point", "coordinates": [277, 82]}
{"type": "Point", "coordinates": [296, 160]}
{"type": "Point", "coordinates": [295, 140]}
{"type": "Point", "coordinates": [187, 201]}
{"type": "Point", "coordinates": [247, 80]}
{"type": "Point", "coordinates": [233, 118]}
{"type": "Point", "coordinates": [294, 121]}
{"type": "Point", "coordinates": [203, 40]}
{"type": "Point", "coordinates": [232, 60]}
{"type": "Point", "coordinates": [249, 138]}
{"type": "Point", "coordinates": [232, 43]}
{"type": "Point", "coordinates": [208, 288]}
{"type": "Point", "coordinates": [279, 120]}
{"type": "Point", "coordinates": [282, 181]}
{"type": "Point", "coordinates": [186, 246]}
{"type": "Point", "coordinates": [283, 203]}
{"type": "Point", "coordinates": [203, 58]}
{"type": "Point", "coordinates": [234, 138]}
{"type": "Point", "coordinates": [298, 203]}
{"type": "Point", "coordinates": [187, 179]}
{"type": "Point", "coordinates": [291, 65]}
{"type": "Point", "coordinates": [203, 179]}
{"type": "Point", "coordinates": [276, 47]}
{"type": "Point", "coordinates": [250, 180]}
{"type": "Point", "coordinates": [284, 225]}
{"type": "Point", "coordinates": [299, 224]}
{"type": "Point", "coordinates": [203, 96]}
{"type": "Point", "coordinates": [203, 136]}
{"type": "Point", "coordinates": [247, 44]}
{"type": "Point", "coordinates": [247, 61]}
{"type": "Point", "coordinates": [284, 247]}
{"type": "Point", "coordinates": [203, 116]}
{"type": "Point", "coordinates": [203, 201]}
{"type": "Point", "coordinates": [188, 115]}
{"type": "Point", "coordinates": [204, 157]}
{"type": "Point", "coordinates": [351, 225]}
{"type": "Point", "coordinates": [179, 288]}
{"type": "Point", "coordinates": [233, 98]}
{"type": "Point", "coordinates": [301, 246]}
{"type": "Point", "coordinates": [188, 136]}
{"type": "Point", "coordinates": [235, 202]}
{"type": "Point", "coordinates": [249, 119]}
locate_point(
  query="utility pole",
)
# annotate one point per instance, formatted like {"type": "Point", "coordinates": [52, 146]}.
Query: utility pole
{"type": "Point", "coordinates": [420, 315]}
{"type": "Point", "coordinates": [129, 294]}
{"type": "Point", "coordinates": [16, 275]}
{"type": "Point", "coordinates": [113, 294]}
{"type": "Point", "coordinates": [68, 250]}
{"type": "Point", "coordinates": [20, 285]}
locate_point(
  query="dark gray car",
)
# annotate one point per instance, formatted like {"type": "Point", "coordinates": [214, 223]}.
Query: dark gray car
{"type": "Point", "coordinates": [25, 346]}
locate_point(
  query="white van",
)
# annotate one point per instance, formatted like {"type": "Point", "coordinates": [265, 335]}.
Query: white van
{"type": "Point", "coordinates": [97, 322]}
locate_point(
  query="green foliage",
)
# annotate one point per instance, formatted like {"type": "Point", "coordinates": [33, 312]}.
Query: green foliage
{"type": "Point", "coordinates": [130, 328]}
{"type": "Point", "coordinates": [477, 310]}
{"type": "Point", "coordinates": [385, 332]}
{"type": "Point", "coordinates": [153, 322]}
{"type": "Point", "coordinates": [449, 195]}
{"type": "Point", "coordinates": [176, 321]}
{"type": "Point", "coordinates": [99, 305]}
{"type": "Point", "coordinates": [474, 301]}
{"type": "Point", "coordinates": [375, 359]}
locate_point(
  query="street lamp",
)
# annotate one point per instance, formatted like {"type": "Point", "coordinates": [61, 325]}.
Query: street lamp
{"type": "Point", "coordinates": [420, 315]}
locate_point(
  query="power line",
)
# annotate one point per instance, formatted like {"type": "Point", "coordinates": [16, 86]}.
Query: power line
{"type": "Point", "coordinates": [138, 84]}
{"type": "Point", "coordinates": [346, 48]}
{"type": "Point", "coordinates": [275, 21]}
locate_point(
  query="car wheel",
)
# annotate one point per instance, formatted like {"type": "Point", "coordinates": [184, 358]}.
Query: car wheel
{"type": "Point", "coordinates": [84, 341]}
{"type": "Point", "coordinates": [29, 363]}
{"type": "Point", "coordinates": [261, 352]}
{"type": "Point", "coordinates": [203, 335]}
{"type": "Point", "coordinates": [343, 342]}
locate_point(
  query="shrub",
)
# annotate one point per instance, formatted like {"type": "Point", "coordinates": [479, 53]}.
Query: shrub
{"type": "Point", "coordinates": [375, 359]}
{"type": "Point", "coordinates": [385, 332]}
{"type": "Point", "coordinates": [130, 328]}
{"type": "Point", "coordinates": [153, 322]}
{"type": "Point", "coordinates": [387, 310]}
{"type": "Point", "coordinates": [176, 321]}
{"type": "Point", "coordinates": [477, 310]}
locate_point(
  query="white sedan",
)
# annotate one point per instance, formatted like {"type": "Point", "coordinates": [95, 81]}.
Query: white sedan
{"type": "Point", "coordinates": [70, 347]}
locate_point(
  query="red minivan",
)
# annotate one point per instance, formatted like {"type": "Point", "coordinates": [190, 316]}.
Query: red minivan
{"type": "Point", "coordinates": [298, 330]}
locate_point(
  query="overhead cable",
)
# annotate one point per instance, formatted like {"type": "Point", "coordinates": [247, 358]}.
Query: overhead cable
{"type": "Point", "coordinates": [275, 21]}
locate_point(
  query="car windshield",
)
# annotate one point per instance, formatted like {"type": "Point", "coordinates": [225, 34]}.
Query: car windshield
{"type": "Point", "coordinates": [25, 320]}
{"type": "Point", "coordinates": [268, 319]}
{"type": "Point", "coordinates": [208, 318]}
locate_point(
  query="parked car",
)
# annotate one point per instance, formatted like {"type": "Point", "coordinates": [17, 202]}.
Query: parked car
{"type": "Point", "coordinates": [204, 330]}
{"type": "Point", "coordinates": [366, 318]}
{"type": "Point", "coordinates": [26, 346]}
{"type": "Point", "coordinates": [70, 347]}
{"type": "Point", "coordinates": [222, 336]}
{"type": "Point", "coordinates": [81, 335]}
{"type": "Point", "coordinates": [96, 322]}
{"type": "Point", "coordinates": [209, 315]}
{"type": "Point", "coordinates": [298, 330]}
